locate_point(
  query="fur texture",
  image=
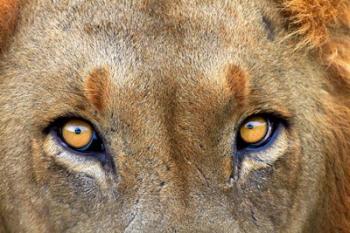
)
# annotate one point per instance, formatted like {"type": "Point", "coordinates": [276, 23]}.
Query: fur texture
{"type": "Point", "coordinates": [323, 25]}
{"type": "Point", "coordinates": [166, 84]}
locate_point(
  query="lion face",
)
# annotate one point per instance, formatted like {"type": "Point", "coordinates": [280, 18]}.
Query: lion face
{"type": "Point", "coordinates": [162, 116]}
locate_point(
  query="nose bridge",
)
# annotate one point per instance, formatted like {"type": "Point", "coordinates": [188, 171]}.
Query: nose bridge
{"type": "Point", "coordinates": [167, 178]}
{"type": "Point", "coordinates": [172, 170]}
{"type": "Point", "coordinates": [174, 191]}
{"type": "Point", "coordinates": [146, 159]}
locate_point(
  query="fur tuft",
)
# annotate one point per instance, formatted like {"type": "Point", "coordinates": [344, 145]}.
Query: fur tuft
{"type": "Point", "coordinates": [323, 25]}
{"type": "Point", "coordinates": [315, 19]}
{"type": "Point", "coordinates": [336, 55]}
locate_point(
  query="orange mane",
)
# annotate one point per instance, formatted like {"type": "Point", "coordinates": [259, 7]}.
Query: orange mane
{"type": "Point", "coordinates": [324, 25]}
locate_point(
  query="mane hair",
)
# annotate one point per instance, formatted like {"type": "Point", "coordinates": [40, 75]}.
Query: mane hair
{"type": "Point", "coordinates": [323, 28]}
{"type": "Point", "coordinates": [337, 200]}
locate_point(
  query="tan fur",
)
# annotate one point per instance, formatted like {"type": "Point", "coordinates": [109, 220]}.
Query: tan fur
{"type": "Point", "coordinates": [166, 85]}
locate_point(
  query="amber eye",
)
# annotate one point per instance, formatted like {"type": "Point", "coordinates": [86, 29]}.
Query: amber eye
{"type": "Point", "coordinates": [79, 137]}
{"type": "Point", "coordinates": [77, 133]}
{"type": "Point", "coordinates": [255, 131]}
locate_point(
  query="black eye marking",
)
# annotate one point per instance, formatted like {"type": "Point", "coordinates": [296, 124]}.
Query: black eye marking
{"type": "Point", "coordinates": [269, 28]}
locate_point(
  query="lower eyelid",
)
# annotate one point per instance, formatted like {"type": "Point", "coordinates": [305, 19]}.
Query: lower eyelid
{"type": "Point", "coordinates": [73, 163]}
{"type": "Point", "coordinates": [258, 159]}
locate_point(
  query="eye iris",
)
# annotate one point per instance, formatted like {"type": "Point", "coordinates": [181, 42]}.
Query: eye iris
{"type": "Point", "coordinates": [77, 133]}
{"type": "Point", "coordinates": [254, 130]}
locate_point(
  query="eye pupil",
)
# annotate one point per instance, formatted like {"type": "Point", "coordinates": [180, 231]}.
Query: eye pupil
{"type": "Point", "coordinates": [250, 126]}
{"type": "Point", "coordinates": [77, 131]}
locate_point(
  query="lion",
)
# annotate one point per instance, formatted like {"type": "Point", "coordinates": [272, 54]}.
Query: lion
{"type": "Point", "coordinates": [175, 116]}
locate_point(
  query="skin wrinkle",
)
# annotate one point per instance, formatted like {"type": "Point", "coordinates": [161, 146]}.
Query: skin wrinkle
{"type": "Point", "coordinates": [167, 84]}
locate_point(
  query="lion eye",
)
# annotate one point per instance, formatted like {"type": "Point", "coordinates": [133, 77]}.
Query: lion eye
{"type": "Point", "coordinates": [79, 135]}
{"type": "Point", "coordinates": [255, 131]}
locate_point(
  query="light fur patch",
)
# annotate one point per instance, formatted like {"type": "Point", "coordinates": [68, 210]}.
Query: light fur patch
{"type": "Point", "coordinates": [74, 163]}
{"type": "Point", "coordinates": [266, 158]}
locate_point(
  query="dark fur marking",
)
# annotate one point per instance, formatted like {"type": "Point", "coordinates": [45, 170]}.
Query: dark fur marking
{"type": "Point", "coordinates": [269, 28]}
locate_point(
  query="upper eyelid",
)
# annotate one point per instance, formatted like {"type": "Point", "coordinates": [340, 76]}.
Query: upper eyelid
{"type": "Point", "coordinates": [69, 116]}
{"type": "Point", "coordinates": [280, 113]}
